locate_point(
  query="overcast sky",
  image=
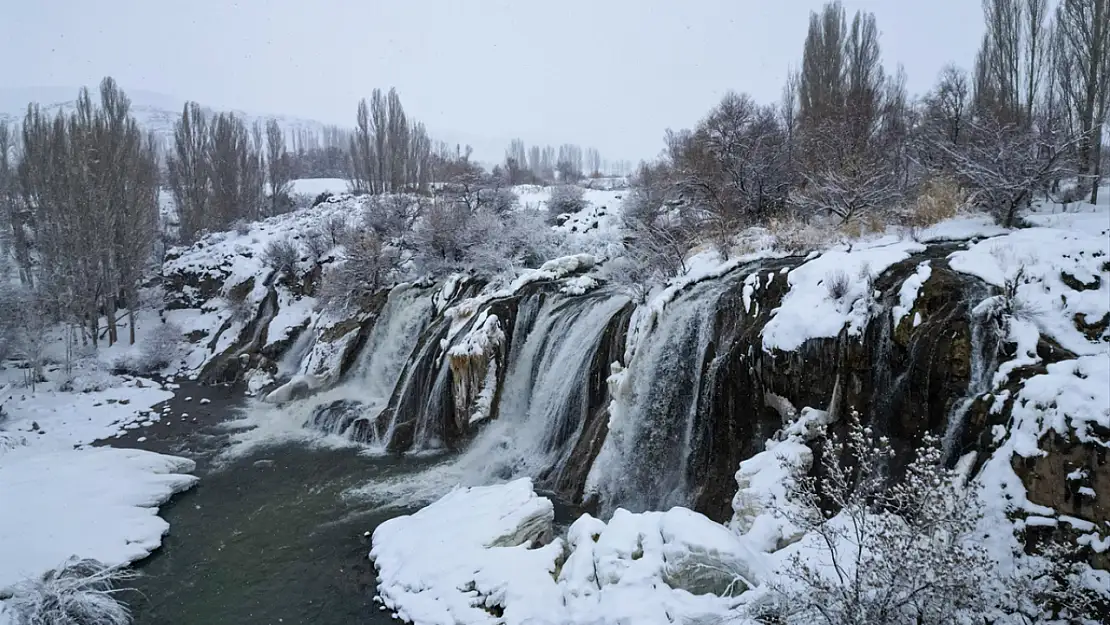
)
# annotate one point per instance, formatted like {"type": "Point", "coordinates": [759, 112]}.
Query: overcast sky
{"type": "Point", "coordinates": [608, 73]}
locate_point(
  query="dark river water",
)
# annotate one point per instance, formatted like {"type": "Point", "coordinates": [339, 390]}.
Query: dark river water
{"type": "Point", "coordinates": [262, 539]}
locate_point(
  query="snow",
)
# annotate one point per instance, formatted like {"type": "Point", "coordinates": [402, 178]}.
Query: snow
{"type": "Point", "coordinates": [809, 310]}
{"type": "Point", "coordinates": [1070, 397]}
{"type": "Point", "coordinates": [960, 228]}
{"type": "Point", "coordinates": [99, 503]}
{"type": "Point", "coordinates": [472, 548]}
{"type": "Point", "coordinates": [765, 479]}
{"type": "Point", "coordinates": [60, 498]}
{"type": "Point", "coordinates": [65, 419]}
{"type": "Point", "coordinates": [553, 269]}
{"type": "Point", "coordinates": [316, 186]}
{"type": "Point", "coordinates": [483, 547]}
{"type": "Point", "coordinates": [907, 294]}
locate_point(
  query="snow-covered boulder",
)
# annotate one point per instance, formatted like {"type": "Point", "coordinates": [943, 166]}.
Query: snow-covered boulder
{"type": "Point", "coordinates": [476, 553]}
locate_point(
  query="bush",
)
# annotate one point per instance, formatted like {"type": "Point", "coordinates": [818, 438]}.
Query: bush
{"type": "Point", "coordinates": [367, 266]}
{"type": "Point", "coordinates": [793, 235]}
{"type": "Point", "coordinates": [281, 255]}
{"type": "Point", "coordinates": [940, 198]}
{"type": "Point", "coordinates": [837, 283]}
{"type": "Point", "coordinates": [242, 227]}
{"type": "Point", "coordinates": [317, 243]}
{"type": "Point", "coordinates": [79, 592]}
{"type": "Point", "coordinates": [336, 229]}
{"type": "Point", "coordinates": [159, 349]}
{"type": "Point", "coordinates": [566, 198]}
{"type": "Point", "coordinates": [301, 200]}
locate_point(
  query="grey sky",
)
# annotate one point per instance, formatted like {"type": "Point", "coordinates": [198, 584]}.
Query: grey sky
{"type": "Point", "coordinates": [608, 73]}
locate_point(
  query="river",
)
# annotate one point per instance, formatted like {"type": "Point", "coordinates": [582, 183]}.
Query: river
{"type": "Point", "coordinates": [266, 537]}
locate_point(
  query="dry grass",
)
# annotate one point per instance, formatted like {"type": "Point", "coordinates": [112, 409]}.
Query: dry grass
{"type": "Point", "coordinates": [940, 198]}
{"type": "Point", "coordinates": [79, 592]}
{"type": "Point", "coordinates": [793, 235]}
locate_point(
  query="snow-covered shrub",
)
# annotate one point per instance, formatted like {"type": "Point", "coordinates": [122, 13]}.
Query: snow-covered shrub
{"type": "Point", "coordinates": [496, 243]}
{"type": "Point", "coordinates": [335, 228]}
{"type": "Point", "coordinates": [316, 243]}
{"type": "Point", "coordinates": [366, 266]}
{"type": "Point", "coordinates": [877, 553]}
{"type": "Point", "coordinates": [501, 201]}
{"type": "Point", "coordinates": [566, 198]}
{"type": "Point", "coordinates": [393, 216]}
{"type": "Point", "coordinates": [156, 351]}
{"type": "Point", "coordinates": [79, 592]}
{"type": "Point", "coordinates": [159, 348]}
{"type": "Point", "coordinates": [301, 200]}
{"type": "Point", "coordinates": [281, 255]}
{"type": "Point", "coordinates": [242, 227]}
{"type": "Point", "coordinates": [794, 235]}
{"type": "Point", "coordinates": [439, 238]}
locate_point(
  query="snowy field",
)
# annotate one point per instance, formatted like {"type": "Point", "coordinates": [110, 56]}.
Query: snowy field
{"type": "Point", "coordinates": [61, 498]}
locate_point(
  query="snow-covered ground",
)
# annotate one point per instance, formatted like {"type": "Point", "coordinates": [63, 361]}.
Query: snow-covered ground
{"type": "Point", "coordinates": [61, 498]}
{"type": "Point", "coordinates": [315, 186]}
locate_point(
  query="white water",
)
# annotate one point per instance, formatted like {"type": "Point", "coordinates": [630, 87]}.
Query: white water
{"type": "Point", "coordinates": [643, 463]}
{"type": "Point", "coordinates": [542, 405]}
{"type": "Point", "coordinates": [369, 384]}
{"type": "Point", "coordinates": [984, 362]}
{"type": "Point", "coordinates": [544, 397]}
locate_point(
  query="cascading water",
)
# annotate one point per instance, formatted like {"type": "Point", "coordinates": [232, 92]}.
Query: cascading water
{"type": "Point", "coordinates": [544, 401]}
{"type": "Point", "coordinates": [365, 390]}
{"type": "Point", "coordinates": [984, 346]}
{"type": "Point", "coordinates": [644, 463]}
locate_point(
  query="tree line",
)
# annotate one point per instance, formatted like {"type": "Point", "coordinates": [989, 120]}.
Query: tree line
{"type": "Point", "coordinates": [79, 193]}
{"type": "Point", "coordinates": [546, 164]}
{"type": "Point", "coordinates": [846, 144]}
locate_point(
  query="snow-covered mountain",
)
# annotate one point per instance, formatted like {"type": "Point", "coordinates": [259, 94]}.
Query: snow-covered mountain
{"type": "Point", "coordinates": [157, 112]}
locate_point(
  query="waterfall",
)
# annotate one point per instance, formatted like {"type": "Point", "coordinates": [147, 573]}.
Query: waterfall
{"type": "Point", "coordinates": [983, 359]}
{"type": "Point", "coordinates": [544, 400]}
{"type": "Point", "coordinates": [644, 463]}
{"type": "Point", "coordinates": [351, 408]}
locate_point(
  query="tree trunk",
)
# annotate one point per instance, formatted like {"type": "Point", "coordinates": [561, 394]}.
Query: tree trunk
{"type": "Point", "coordinates": [110, 311]}
{"type": "Point", "coordinates": [131, 321]}
{"type": "Point", "coordinates": [1097, 171]}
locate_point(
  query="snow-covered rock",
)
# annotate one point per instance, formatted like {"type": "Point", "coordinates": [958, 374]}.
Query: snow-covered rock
{"type": "Point", "coordinates": [477, 552]}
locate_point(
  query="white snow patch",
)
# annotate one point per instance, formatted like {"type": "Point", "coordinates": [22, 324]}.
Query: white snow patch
{"type": "Point", "coordinates": [97, 503]}
{"type": "Point", "coordinates": [809, 311]}
{"type": "Point", "coordinates": [479, 548]}
{"type": "Point", "coordinates": [907, 295]}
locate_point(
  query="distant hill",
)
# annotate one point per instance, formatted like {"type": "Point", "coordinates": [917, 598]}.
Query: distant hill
{"type": "Point", "coordinates": [156, 112]}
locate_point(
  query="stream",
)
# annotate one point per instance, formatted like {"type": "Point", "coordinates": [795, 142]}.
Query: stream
{"type": "Point", "coordinates": [267, 537]}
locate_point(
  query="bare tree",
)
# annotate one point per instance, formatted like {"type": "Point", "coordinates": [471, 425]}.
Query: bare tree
{"type": "Point", "coordinates": [947, 106]}
{"type": "Point", "coordinates": [1083, 63]}
{"type": "Point", "coordinates": [12, 209]}
{"type": "Point", "coordinates": [362, 152]}
{"type": "Point", "coordinates": [188, 168]}
{"type": "Point", "coordinates": [279, 168]}
{"type": "Point", "coordinates": [1004, 166]}
{"type": "Point", "coordinates": [91, 180]}
{"type": "Point", "coordinates": [237, 178]}
{"type": "Point", "coordinates": [849, 192]}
